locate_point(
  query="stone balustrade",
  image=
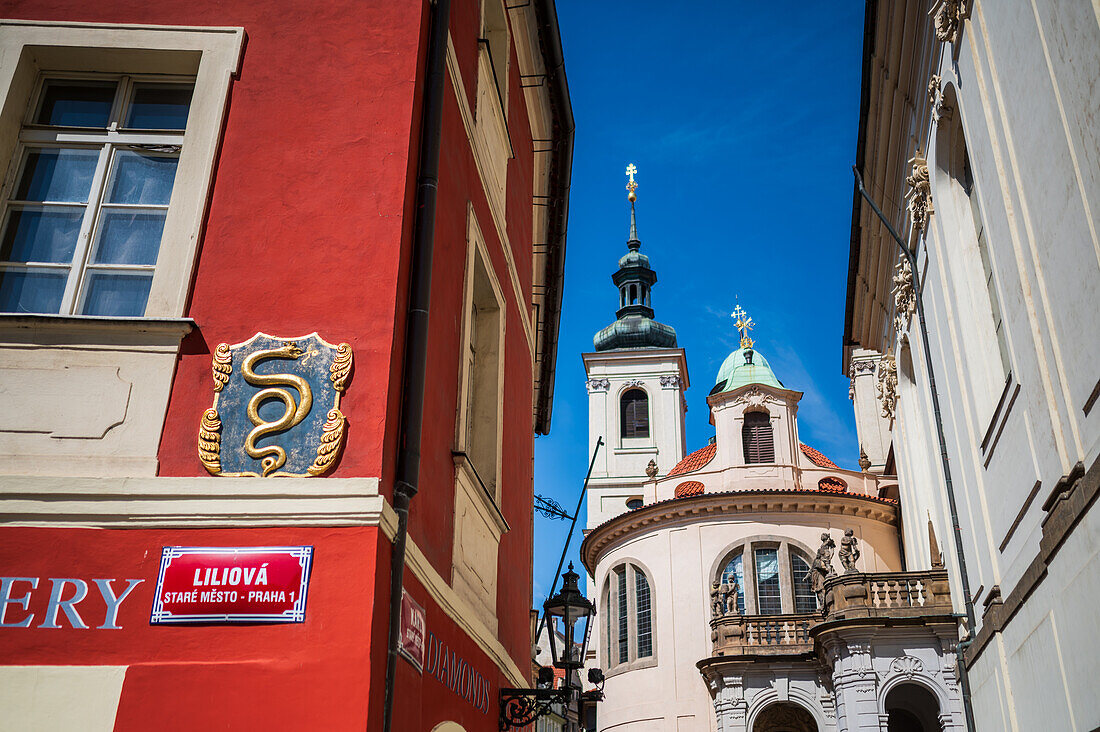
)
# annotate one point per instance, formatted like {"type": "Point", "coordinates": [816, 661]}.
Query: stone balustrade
{"type": "Point", "coordinates": [887, 595]}
{"type": "Point", "coordinates": [856, 595]}
{"type": "Point", "coordinates": [736, 635]}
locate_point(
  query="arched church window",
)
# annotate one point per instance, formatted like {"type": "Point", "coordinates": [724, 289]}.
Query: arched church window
{"type": "Point", "coordinates": [805, 601]}
{"type": "Point", "coordinates": [772, 575]}
{"type": "Point", "coordinates": [756, 437]}
{"type": "Point", "coordinates": [634, 414]}
{"type": "Point", "coordinates": [735, 569]}
{"type": "Point", "coordinates": [628, 609]}
{"type": "Point", "coordinates": [769, 598]}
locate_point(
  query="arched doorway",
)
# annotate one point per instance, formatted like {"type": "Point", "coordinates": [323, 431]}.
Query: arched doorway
{"type": "Point", "coordinates": [784, 717]}
{"type": "Point", "coordinates": [912, 708]}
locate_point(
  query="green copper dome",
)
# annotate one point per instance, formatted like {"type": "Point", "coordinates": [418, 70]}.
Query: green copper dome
{"type": "Point", "coordinates": [737, 372]}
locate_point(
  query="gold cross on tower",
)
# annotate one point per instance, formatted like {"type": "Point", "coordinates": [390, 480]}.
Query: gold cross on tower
{"type": "Point", "coordinates": [631, 186]}
{"type": "Point", "coordinates": [744, 325]}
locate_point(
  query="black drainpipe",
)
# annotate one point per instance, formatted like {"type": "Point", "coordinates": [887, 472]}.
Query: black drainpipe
{"type": "Point", "coordinates": [407, 478]}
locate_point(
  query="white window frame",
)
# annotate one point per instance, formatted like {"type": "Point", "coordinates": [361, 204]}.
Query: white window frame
{"type": "Point", "coordinates": [208, 55]}
{"type": "Point", "coordinates": [108, 141]}
{"type": "Point", "coordinates": [610, 600]}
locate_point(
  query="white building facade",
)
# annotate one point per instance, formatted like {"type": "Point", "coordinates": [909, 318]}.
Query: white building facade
{"type": "Point", "coordinates": [979, 139]}
{"type": "Point", "coordinates": [720, 604]}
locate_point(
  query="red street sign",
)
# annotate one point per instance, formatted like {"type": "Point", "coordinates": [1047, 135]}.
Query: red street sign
{"type": "Point", "coordinates": [255, 584]}
{"type": "Point", "coordinates": [413, 626]}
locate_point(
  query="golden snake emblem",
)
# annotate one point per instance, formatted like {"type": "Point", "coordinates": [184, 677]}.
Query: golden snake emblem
{"type": "Point", "coordinates": [273, 457]}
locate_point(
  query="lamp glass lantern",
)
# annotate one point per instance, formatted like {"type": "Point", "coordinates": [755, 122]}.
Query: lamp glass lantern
{"type": "Point", "coordinates": [565, 610]}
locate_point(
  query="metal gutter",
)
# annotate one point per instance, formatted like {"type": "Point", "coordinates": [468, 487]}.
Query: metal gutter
{"type": "Point", "coordinates": [561, 168]}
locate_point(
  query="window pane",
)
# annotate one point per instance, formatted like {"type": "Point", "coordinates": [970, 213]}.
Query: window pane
{"type": "Point", "coordinates": [139, 178]}
{"type": "Point", "coordinates": [767, 582]}
{"type": "Point", "coordinates": [805, 601]}
{"type": "Point", "coordinates": [76, 104]}
{"type": "Point", "coordinates": [645, 630]}
{"type": "Point", "coordinates": [32, 291]}
{"type": "Point", "coordinates": [128, 237]}
{"type": "Point", "coordinates": [735, 568]}
{"type": "Point", "coordinates": [57, 175]}
{"type": "Point", "coordinates": [624, 647]}
{"type": "Point", "coordinates": [41, 234]}
{"type": "Point", "coordinates": [607, 622]}
{"type": "Point", "coordinates": [116, 294]}
{"type": "Point", "coordinates": [159, 107]}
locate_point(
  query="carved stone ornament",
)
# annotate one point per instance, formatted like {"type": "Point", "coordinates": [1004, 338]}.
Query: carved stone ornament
{"type": "Point", "coordinates": [907, 665]}
{"type": "Point", "coordinates": [888, 385]}
{"type": "Point", "coordinates": [864, 461]}
{"type": "Point", "coordinates": [651, 469]}
{"type": "Point", "coordinates": [905, 295]}
{"type": "Point", "coordinates": [948, 17]}
{"type": "Point", "coordinates": [595, 385]}
{"type": "Point", "coordinates": [940, 110]}
{"type": "Point", "coordinates": [634, 382]}
{"type": "Point", "coordinates": [755, 398]}
{"type": "Point", "coordinates": [670, 382]}
{"type": "Point", "coordinates": [919, 194]}
{"type": "Point", "coordinates": [276, 407]}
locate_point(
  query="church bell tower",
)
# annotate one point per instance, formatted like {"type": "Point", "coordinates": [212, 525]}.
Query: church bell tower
{"type": "Point", "coordinates": [636, 381]}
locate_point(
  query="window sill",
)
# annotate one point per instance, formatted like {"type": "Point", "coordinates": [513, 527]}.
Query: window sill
{"type": "Point", "coordinates": [636, 450]}
{"type": "Point", "coordinates": [999, 418]}
{"type": "Point", "coordinates": [65, 329]}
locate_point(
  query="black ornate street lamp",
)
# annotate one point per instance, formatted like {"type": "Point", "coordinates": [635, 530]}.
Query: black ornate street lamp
{"type": "Point", "coordinates": [521, 707]}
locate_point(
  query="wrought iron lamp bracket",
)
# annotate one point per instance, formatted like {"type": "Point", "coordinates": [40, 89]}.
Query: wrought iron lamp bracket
{"type": "Point", "coordinates": [521, 707]}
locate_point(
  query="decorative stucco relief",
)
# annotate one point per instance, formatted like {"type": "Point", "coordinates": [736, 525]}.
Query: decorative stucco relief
{"type": "Point", "coordinates": [905, 295]}
{"type": "Point", "coordinates": [757, 398]}
{"type": "Point", "coordinates": [909, 666]}
{"type": "Point", "coordinates": [919, 194]}
{"type": "Point", "coordinates": [670, 382]}
{"type": "Point", "coordinates": [940, 109]}
{"type": "Point", "coordinates": [634, 382]}
{"type": "Point", "coordinates": [948, 17]}
{"type": "Point", "coordinates": [888, 385]}
{"type": "Point", "coordinates": [595, 385]}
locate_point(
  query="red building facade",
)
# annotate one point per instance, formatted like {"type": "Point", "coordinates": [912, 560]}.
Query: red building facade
{"type": "Point", "coordinates": [182, 175]}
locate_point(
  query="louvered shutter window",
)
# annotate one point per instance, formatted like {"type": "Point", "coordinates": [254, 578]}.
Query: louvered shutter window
{"type": "Point", "coordinates": [634, 414]}
{"type": "Point", "coordinates": [756, 436]}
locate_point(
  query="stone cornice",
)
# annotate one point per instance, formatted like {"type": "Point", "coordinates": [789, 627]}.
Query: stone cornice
{"type": "Point", "coordinates": [139, 503]}
{"type": "Point", "coordinates": [694, 508]}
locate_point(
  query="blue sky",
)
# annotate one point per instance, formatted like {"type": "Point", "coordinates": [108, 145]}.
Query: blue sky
{"type": "Point", "coordinates": [741, 118]}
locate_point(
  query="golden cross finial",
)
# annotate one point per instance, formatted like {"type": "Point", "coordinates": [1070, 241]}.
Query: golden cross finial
{"type": "Point", "coordinates": [744, 325]}
{"type": "Point", "coordinates": [631, 170]}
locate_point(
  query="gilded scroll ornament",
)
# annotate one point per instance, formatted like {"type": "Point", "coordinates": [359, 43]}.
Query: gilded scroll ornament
{"type": "Point", "coordinates": [210, 441]}
{"type": "Point", "coordinates": [332, 441]}
{"type": "Point", "coordinates": [276, 408]}
{"type": "Point", "coordinates": [222, 365]}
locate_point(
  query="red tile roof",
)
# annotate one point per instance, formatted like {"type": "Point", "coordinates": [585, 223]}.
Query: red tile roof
{"type": "Point", "coordinates": [689, 488]}
{"type": "Point", "coordinates": [832, 483]}
{"type": "Point", "coordinates": [695, 460]}
{"type": "Point", "coordinates": [817, 458]}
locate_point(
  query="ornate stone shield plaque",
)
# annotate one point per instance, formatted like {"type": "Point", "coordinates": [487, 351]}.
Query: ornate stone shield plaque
{"type": "Point", "coordinates": [276, 407]}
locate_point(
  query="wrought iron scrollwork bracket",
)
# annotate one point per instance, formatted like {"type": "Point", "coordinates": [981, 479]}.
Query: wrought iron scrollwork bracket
{"type": "Point", "coordinates": [521, 707]}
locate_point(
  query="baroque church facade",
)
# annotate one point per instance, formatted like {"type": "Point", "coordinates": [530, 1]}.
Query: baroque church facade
{"type": "Point", "coordinates": [751, 585]}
